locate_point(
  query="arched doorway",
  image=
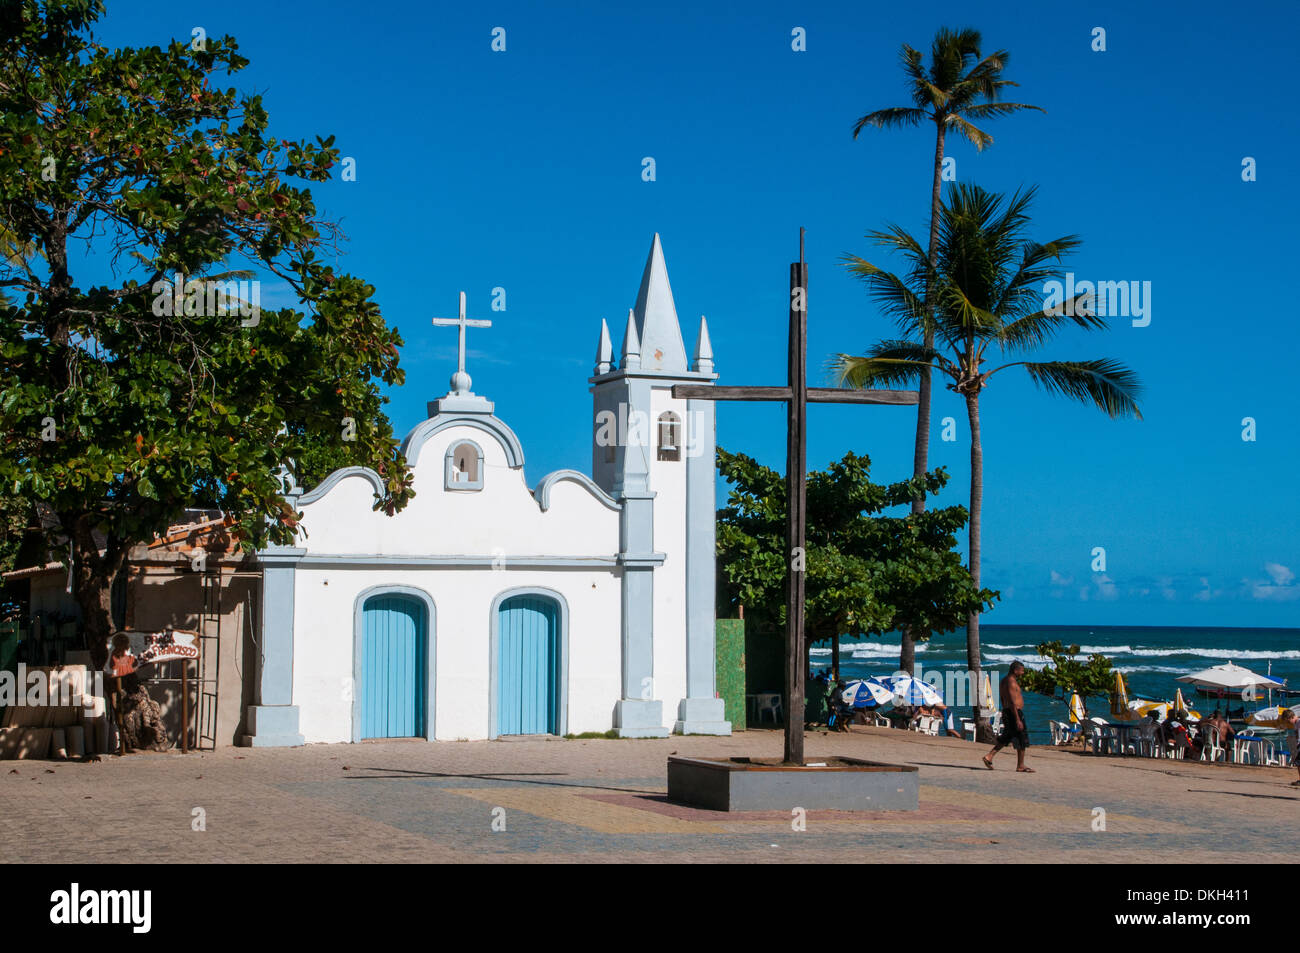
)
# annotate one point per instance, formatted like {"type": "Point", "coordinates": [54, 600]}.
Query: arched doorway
{"type": "Point", "coordinates": [393, 667]}
{"type": "Point", "coordinates": [529, 665]}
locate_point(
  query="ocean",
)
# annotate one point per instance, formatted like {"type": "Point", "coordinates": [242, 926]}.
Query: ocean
{"type": "Point", "coordinates": [1151, 658]}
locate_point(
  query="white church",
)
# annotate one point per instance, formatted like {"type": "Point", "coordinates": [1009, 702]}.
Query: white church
{"type": "Point", "coordinates": [489, 607]}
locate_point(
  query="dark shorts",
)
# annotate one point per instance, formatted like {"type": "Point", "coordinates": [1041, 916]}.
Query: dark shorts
{"type": "Point", "coordinates": [1012, 734]}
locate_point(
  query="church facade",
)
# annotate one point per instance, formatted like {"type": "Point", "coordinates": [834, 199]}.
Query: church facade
{"type": "Point", "coordinates": [488, 607]}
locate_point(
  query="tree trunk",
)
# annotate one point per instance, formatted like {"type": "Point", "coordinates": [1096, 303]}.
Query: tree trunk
{"type": "Point", "coordinates": [907, 651]}
{"type": "Point", "coordinates": [976, 510]}
{"type": "Point", "coordinates": [92, 585]}
{"type": "Point", "coordinates": [921, 448]}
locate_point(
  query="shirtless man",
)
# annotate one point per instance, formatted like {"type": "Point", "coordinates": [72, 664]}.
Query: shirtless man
{"type": "Point", "coordinates": [1014, 731]}
{"type": "Point", "coordinates": [1292, 726]}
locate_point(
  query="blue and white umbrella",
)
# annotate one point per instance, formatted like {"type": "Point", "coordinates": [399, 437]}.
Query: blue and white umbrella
{"type": "Point", "coordinates": [866, 693]}
{"type": "Point", "coordinates": [913, 691]}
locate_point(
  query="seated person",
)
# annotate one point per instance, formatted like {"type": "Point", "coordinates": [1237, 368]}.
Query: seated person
{"type": "Point", "coordinates": [1175, 731]}
{"type": "Point", "coordinates": [1225, 729]}
{"type": "Point", "coordinates": [902, 715]}
{"type": "Point", "coordinates": [945, 715]}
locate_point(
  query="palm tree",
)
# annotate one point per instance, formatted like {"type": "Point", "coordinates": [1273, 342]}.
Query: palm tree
{"type": "Point", "coordinates": [960, 87]}
{"type": "Point", "coordinates": [986, 292]}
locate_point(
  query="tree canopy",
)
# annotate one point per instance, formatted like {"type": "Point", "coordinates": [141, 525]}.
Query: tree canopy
{"type": "Point", "coordinates": [1065, 673]}
{"type": "Point", "coordinates": [867, 572]}
{"type": "Point", "coordinates": [139, 377]}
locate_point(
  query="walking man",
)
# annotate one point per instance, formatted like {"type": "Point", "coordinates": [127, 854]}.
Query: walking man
{"type": "Point", "coordinates": [1014, 731]}
{"type": "Point", "coordinates": [1292, 726]}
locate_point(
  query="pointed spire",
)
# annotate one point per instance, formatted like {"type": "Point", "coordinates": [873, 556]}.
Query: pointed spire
{"type": "Point", "coordinates": [604, 350]}
{"type": "Point", "coordinates": [656, 316]}
{"type": "Point", "coordinates": [703, 350]}
{"type": "Point", "coordinates": [631, 344]}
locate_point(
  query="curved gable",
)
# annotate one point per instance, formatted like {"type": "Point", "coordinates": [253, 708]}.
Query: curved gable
{"type": "Point", "coordinates": [489, 424]}
{"type": "Point", "coordinates": [337, 477]}
{"type": "Point", "coordinates": [543, 492]}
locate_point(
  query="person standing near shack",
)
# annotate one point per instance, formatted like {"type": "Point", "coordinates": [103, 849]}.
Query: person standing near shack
{"type": "Point", "coordinates": [1014, 730]}
{"type": "Point", "coordinates": [121, 663]}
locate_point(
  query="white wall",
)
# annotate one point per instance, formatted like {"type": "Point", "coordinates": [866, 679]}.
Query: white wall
{"type": "Point", "coordinates": [502, 516]}
{"type": "Point", "coordinates": [501, 520]}
{"type": "Point", "coordinates": [325, 607]}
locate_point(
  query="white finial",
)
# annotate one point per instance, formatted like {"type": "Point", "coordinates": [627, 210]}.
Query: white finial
{"type": "Point", "coordinates": [604, 350]}
{"type": "Point", "coordinates": [703, 350]}
{"type": "Point", "coordinates": [631, 344]}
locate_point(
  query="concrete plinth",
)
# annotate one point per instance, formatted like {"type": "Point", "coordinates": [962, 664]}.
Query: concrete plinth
{"type": "Point", "coordinates": [742, 784]}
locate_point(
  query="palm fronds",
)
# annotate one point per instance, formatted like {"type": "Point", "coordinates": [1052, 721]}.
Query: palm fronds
{"type": "Point", "coordinates": [1108, 384]}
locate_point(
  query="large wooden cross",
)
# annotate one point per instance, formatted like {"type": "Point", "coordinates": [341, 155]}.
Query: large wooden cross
{"type": "Point", "coordinates": [796, 396]}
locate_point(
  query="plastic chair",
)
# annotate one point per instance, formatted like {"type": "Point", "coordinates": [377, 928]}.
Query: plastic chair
{"type": "Point", "coordinates": [770, 704]}
{"type": "Point", "coordinates": [1250, 749]}
{"type": "Point", "coordinates": [1212, 750]}
{"type": "Point", "coordinates": [1095, 740]}
{"type": "Point", "coordinates": [1062, 732]}
{"type": "Point", "coordinates": [1148, 745]}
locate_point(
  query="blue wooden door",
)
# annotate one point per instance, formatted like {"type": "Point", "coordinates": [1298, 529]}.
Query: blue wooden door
{"type": "Point", "coordinates": [394, 667]}
{"type": "Point", "coordinates": [528, 666]}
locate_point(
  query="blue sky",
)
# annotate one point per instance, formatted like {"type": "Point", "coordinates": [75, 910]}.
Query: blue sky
{"type": "Point", "coordinates": [522, 170]}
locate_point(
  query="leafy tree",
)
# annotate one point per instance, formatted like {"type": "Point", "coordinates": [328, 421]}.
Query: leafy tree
{"type": "Point", "coordinates": [961, 87]}
{"type": "Point", "coordinates": [866, 572]}
{"type": "Point", "coordinates": [1064, 673]}
{"type": "Point", "coordinates": [988, 300]}
{"type": "Point", "coordinates": [125, 398]}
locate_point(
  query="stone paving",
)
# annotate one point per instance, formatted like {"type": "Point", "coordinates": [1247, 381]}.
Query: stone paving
{"type": "Point", "coordinates": [602, 801]}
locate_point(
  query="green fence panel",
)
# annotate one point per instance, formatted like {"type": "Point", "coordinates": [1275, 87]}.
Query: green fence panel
{"type": "Point", "coordinates": [730, 647]}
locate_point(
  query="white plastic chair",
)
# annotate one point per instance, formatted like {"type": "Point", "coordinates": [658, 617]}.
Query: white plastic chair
{"type": "Point", "coordinates": [769, 704]}
{"type": "Point", "coordinates": [1096, 741]}
{"type": "Point", "coordinates": [1062, 733]}
{"type": "Point", "coordinates": [1253, 751]}
{"type": "Point", "coordinates": [1212, 750]}
{"type": "Point", "coordinates": [968, 725]}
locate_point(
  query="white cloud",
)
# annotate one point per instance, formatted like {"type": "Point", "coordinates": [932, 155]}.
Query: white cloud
{"type": "Point", "coordinates": [1281, 575]}
{"type": "Point", "coordinates": [1106, 588]}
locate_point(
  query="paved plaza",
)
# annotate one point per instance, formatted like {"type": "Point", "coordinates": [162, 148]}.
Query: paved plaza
{"type": "Point", "coordinates": [603, 801]}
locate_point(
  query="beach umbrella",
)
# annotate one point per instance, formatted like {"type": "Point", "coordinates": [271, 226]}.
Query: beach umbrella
{"type": "Point", "coordinates": [1120, 707]}
{"type": "Point", "coordinates": [986, 694]}
{"type": "Point", "coordinates": [866, 693]}
{"type": "Point", "coordinates": [1230, 677]}
{"type": "Point", "coordinates": [1077, 713]}
{"type": "Point", "coordinates": [1180, 703]}
{"type": "Point", "coordinates": [1119, 697]}
{"type": "Point", "coordinates": [912, 691]}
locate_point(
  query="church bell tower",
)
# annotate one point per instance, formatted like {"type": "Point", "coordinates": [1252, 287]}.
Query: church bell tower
{"type": "Point", "coordinates": [655, 454]}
